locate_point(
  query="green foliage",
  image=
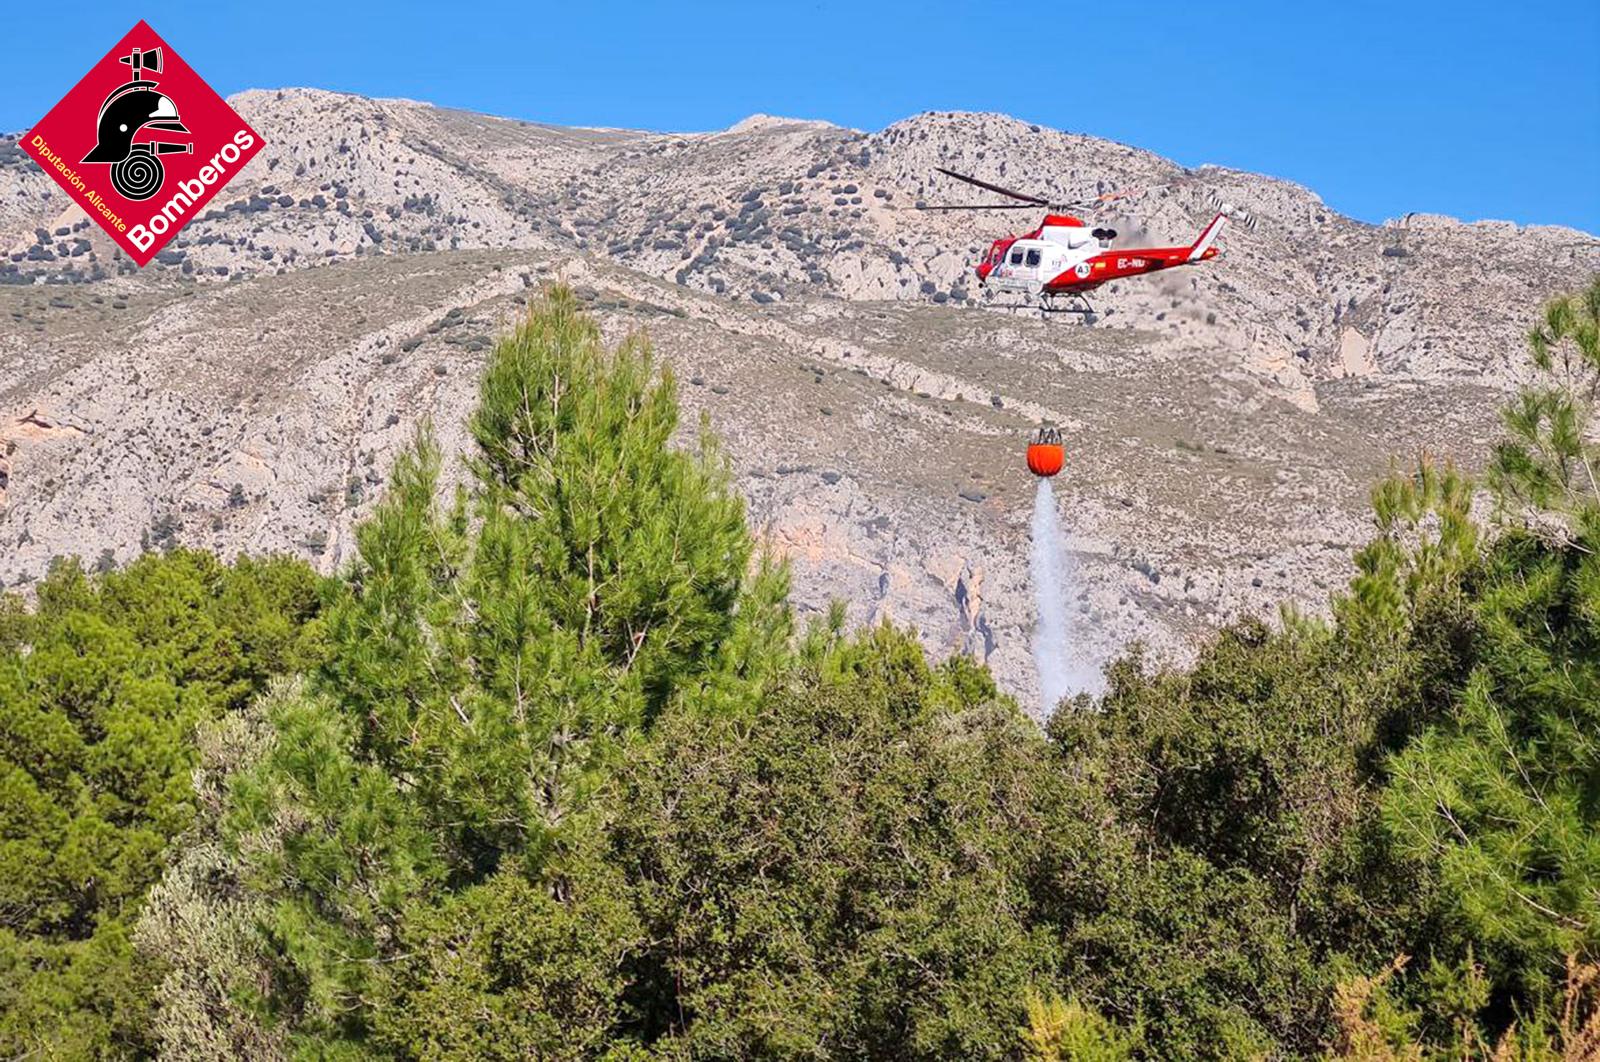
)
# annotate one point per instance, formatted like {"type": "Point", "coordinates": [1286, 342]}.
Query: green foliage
{"type": "Point", "coordinates": [1501, 801]}
{"type": "Point", "coordinates": [1065, 1030]}
{"type": "Point", "coordinates": [1408, 609]}
{"type": "Point", "coordinates": [498, 651]}
{"type": "Point", "coordinates": [1244, 785]}
{"type": "Point", "coordinates": [13, 623]}
{"type": "Point", "coordinates": [1250, 757]}
{"type": "Point", "coordinates": [1426, 540]}
{"type": "Point", "coordinates": [1493, 807]}
{"type": "Point", "coordinates": [101, 689]}
{"type": "Point", "coordinates": [200, 924]}
{"type": "Point", "coordinates": [562, 789]}
{"type": "Point", "coordinates": [1547, 466]}
{"type": "Point", "coordinates": [847, 873]}
{"type": "Point", "coordinates": [514, 968]}
{"type": "Point", "coordinates": [337, 848]}
{"type": "Point", "coordinates": [640, 550]}
{"type": "Point", "coordinates": [490, 661]}
{"type": "Point", "coordinates": [1376, 1024]}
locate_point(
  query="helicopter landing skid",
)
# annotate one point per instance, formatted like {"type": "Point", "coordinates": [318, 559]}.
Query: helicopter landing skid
{"type": "Point", "coordinates": [1048, 303]}
{"type": "Point", "coordinates": [1066, 302]}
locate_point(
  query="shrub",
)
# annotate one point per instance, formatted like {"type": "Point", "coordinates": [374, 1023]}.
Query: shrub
{"type": "Point", "coordinates": [101, 689]}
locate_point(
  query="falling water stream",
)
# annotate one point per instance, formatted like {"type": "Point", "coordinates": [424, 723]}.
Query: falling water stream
{"type": "Point", "coordinates": [1058, 648]}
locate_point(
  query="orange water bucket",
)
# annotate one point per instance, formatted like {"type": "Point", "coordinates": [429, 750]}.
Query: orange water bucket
{"type": "Point", "coordinates": [1046, 455]}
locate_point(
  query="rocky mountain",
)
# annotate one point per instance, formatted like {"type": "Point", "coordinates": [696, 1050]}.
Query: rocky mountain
{"type": "Point", "coordinates": [248, 390]}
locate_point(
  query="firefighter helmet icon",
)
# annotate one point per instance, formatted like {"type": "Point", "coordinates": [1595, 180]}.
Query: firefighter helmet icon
{"type": "Point", "coordinates": [136, 171]}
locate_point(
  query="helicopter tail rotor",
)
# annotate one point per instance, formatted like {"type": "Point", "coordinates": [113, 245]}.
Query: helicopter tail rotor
{"type": "Point", "coordinates": [1234, 213]}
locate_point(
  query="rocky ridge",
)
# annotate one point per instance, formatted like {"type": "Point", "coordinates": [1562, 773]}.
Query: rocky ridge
{"type": "Point", "coordinates": [248, 390]}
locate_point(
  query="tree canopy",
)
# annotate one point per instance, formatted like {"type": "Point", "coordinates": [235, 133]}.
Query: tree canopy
{"type": "Point", "coordinates": [547, 772]}
{"type": "Point", "coordinates": [102, 685]}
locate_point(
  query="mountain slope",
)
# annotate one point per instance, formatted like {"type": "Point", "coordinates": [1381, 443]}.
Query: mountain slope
{"type": "Point", "coordinates": [1223, 422]}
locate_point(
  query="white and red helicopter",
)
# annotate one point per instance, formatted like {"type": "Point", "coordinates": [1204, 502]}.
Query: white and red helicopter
{"type": "Point", "coordinates": [1063, 259]}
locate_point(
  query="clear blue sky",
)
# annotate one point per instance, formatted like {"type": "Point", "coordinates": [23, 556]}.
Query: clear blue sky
{"type": "Point", "coordinates": [1481, 110]}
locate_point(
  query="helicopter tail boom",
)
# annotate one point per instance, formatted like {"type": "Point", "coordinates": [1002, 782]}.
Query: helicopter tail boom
{"type": "Point", "coordinates": [1226, 212]}
{"type": "Point", "coordinates": [1208, 236]}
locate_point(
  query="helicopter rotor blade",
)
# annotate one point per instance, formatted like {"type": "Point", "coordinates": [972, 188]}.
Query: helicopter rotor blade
{"type": "Point", "coordinates": [1100, 200]}
{"type": "Point", "coordinates": [984, 206]}
{"type": "Point", "coordinates": [997, 189]}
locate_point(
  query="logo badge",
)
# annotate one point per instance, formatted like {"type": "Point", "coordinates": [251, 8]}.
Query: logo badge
{"type": "Point", "coordinates": [142, 143]}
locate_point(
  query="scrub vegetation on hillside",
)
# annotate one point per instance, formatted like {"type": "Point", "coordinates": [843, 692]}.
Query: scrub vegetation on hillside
{"type": "Point", "coordinates": [549, 772]}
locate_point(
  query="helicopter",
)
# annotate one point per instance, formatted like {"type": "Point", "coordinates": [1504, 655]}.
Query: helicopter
{"type": "Point", "coordinates": [1063, 259]}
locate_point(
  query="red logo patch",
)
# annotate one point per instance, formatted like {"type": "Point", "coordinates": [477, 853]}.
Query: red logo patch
{"type": "Point", "coordinates": [142, 143]}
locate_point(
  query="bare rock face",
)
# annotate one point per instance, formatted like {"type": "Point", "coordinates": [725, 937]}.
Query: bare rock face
{"type": "Point", "coordinates": [249, 389]}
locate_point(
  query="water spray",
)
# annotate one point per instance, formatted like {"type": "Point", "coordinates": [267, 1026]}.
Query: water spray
{"type": "Point", "coordinates": [1057, 646]}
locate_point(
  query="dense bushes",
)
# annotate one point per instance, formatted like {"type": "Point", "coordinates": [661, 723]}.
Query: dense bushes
{"type": "Point", "coordinates": [849, 872]}
{"type": "Point", "coordinates": [101, 687]}
{"type": "Point", "coordinates": [554, 779]}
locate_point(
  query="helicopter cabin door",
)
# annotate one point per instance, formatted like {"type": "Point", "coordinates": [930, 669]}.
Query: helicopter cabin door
{"type": "Point", "coordinates": [1023, 269]}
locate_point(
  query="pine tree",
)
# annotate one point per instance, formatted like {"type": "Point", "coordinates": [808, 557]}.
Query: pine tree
{"type": "Point", "coordinates": [491, 657]}
{"type": "Point", "coordinates": [1551, 461]}
{"type": "Point", "coordinates": [499, 650]}
{"type": "Point", "coordinates": [1426, 539]}
{"type": "Point", "coordinates": [1498, 803]}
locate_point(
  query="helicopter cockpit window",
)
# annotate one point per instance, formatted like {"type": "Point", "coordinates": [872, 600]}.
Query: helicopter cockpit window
{"type": "Point", "coordinates": [1016, 257]}
{"type": "Point", "coordinates": [1033, 257]}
